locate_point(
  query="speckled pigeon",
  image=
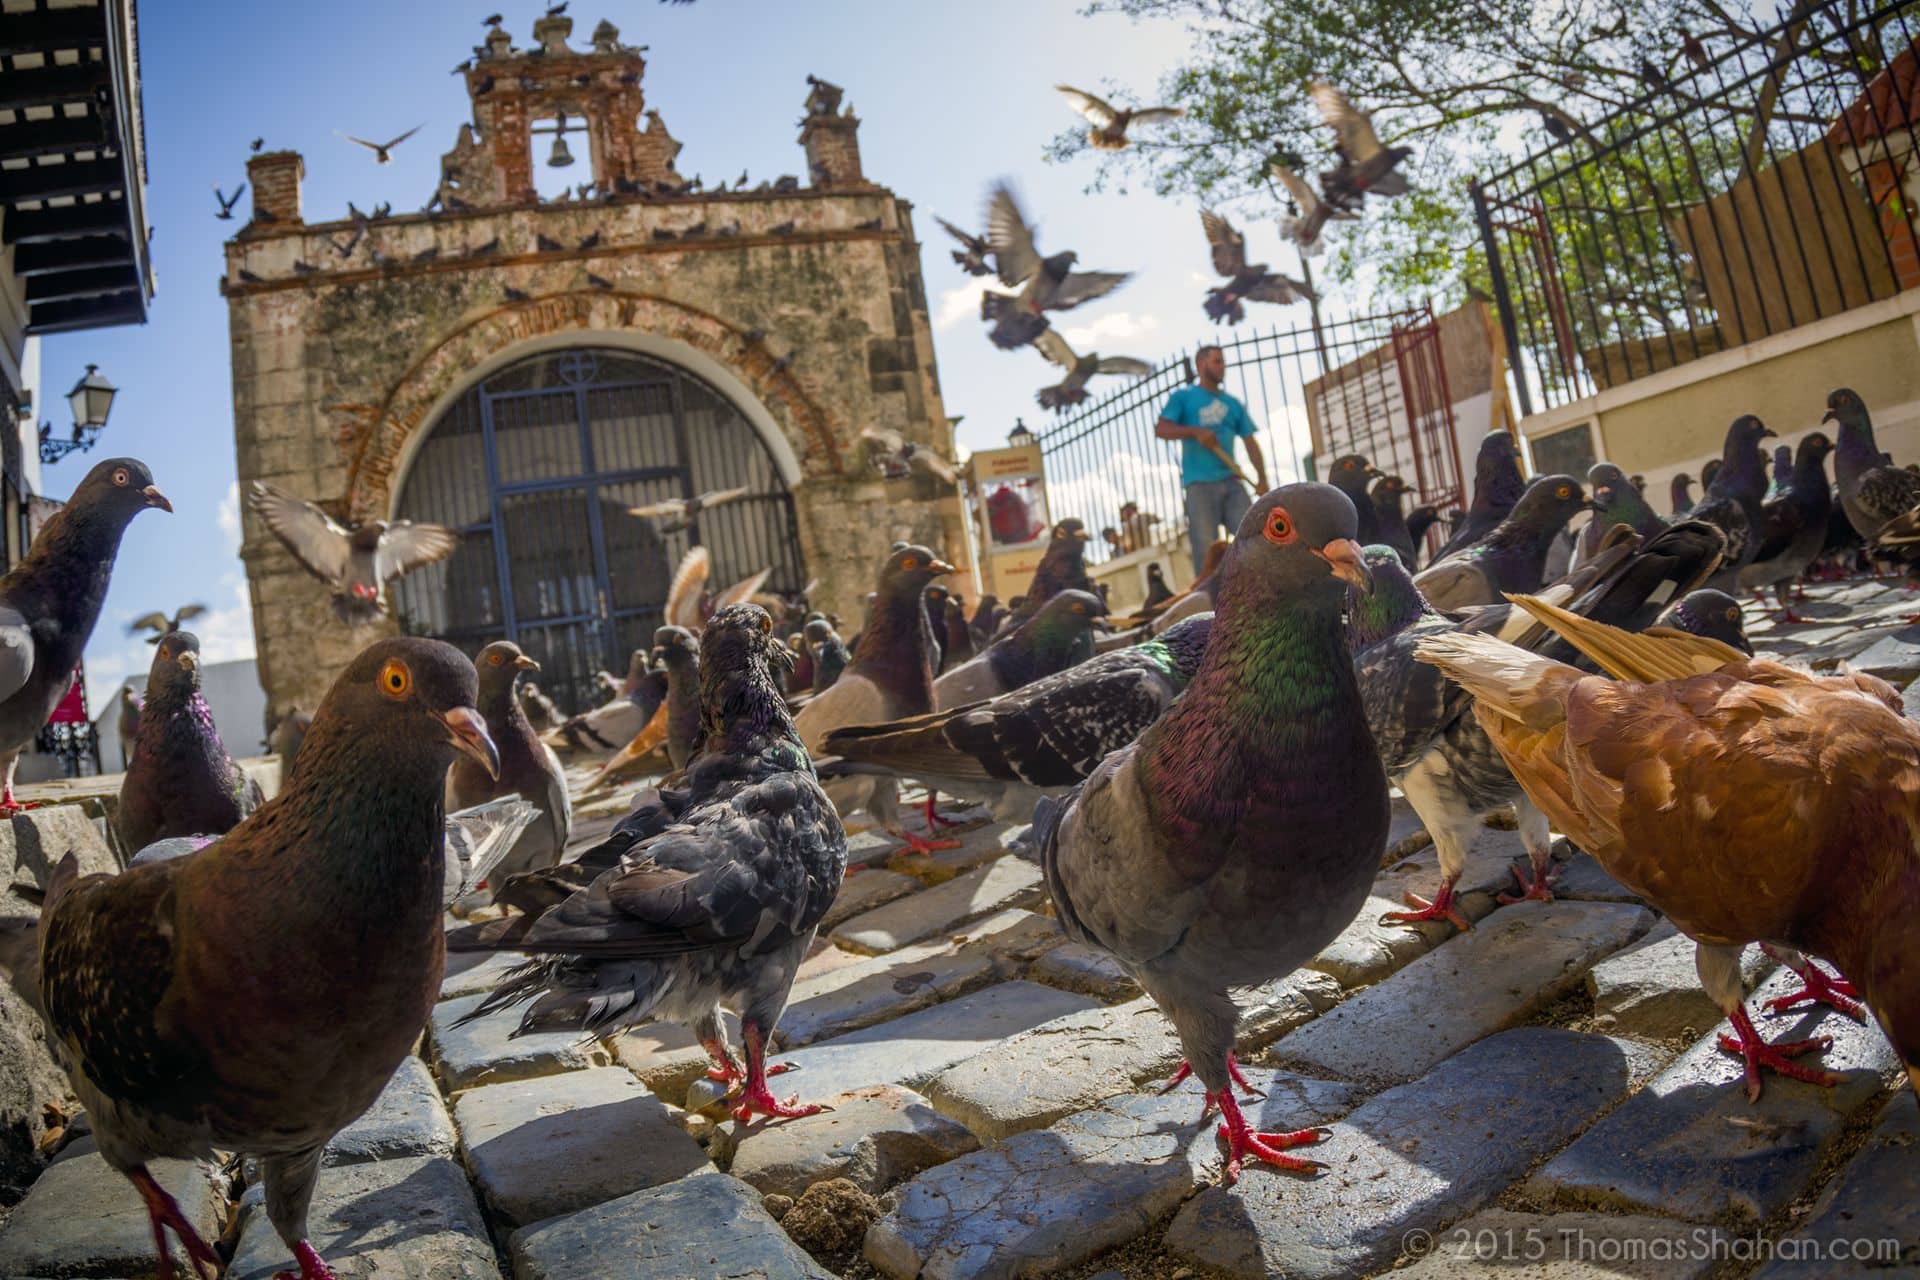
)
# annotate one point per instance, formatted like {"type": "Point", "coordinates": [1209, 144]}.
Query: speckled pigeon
{"type": "Point", "coordinates": [1240, 833]}
{"type": "Point", "coordinates": [527, 768]}
{"type": "Point", "coordinates": [1882, 501]}
{"type": "Point", "coordinates": [356, 561]}
{"type": "Point", "coordinates": [1615, 501]}
{"type": "Point", "coordinates": [1497, 486]}
{"type": "Point", "coordinates": [180, 781]}
{"type": "Point", "coordinates": [52, 598]}
{"type": "Point", "coordinates": [256, 996]}
{"type": "Point", "coordinates": [1732, 502]}
{"type": "Point", "coordinates": [1046, 642]}
{"type": "Point", "coordinates": [1511, 558]}
{"type": "Point", "coordinates": [1793, 526]}
{"type": "Point", "coordinates": [713, 905]}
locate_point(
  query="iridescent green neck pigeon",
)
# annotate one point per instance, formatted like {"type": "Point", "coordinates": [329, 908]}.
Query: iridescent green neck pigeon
{"type": "Point", "coordinates": [527, 767]}
{"type": "Point", "coordinates": [1511, 558]}
{"type": "Point", "coordinates": [1241, 832]}
{"type": "Point", "coordinates": [1615, 501]}
{"type": "Point", "coordinates": [180, 781]}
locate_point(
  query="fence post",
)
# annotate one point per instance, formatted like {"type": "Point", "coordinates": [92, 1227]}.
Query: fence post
{"type": "Point", "coordinates": [1502, 297]}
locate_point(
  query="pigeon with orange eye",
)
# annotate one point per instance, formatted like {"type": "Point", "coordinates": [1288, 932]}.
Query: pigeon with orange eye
{"type": "Point", "coordinates": [1513, 558]}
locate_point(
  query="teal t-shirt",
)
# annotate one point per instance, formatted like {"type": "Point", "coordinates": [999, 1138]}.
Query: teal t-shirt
{"type": "Point", "coordinates": [1219, 413]}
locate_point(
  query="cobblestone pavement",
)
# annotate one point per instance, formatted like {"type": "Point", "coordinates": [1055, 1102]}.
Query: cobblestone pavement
{"type": "Point", "coordinates": [1539, 1096]}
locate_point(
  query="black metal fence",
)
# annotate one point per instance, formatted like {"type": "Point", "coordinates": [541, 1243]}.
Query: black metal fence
{"type": "Point", "coordinates": [1763, 186]}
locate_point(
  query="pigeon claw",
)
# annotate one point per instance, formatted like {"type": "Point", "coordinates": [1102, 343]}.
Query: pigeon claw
{"type": "Point", "coordinates": [1441, 908]}
{"type": "Point", "coordinates": [762, 1102]}
{"type": "Point", "coordinates": [1185, 1069]}
{"type": "Point", "coordinates": [1835, 992]}
{"type": "Point", "coordinates": [920, 844]}
{"type": "Point", "coordinates": [163, 1212]}
{"type": "Point", "coordinates": [1777, 1057]}
{"type": "Point", "coordinates": [1536, 884]}
{"type": "Point", "coordinates": [311, 1267]}
{"type": "Point", "coordinates": [1271, 1148]}
{"type": "Point", "coordinates": [934, 819]}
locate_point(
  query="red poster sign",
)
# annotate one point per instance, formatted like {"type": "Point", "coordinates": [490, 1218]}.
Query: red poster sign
{"type": "Point", "coordinates": [73, 707]}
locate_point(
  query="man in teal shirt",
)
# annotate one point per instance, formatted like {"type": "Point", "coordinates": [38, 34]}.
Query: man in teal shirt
{"type": "Point", "coordinates": [1206, 421]}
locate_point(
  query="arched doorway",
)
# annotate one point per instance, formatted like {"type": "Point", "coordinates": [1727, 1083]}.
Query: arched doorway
{"type": "Point", "coordinates": [536, 466]}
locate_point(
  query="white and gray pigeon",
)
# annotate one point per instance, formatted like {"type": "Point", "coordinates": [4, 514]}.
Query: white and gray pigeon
{"type": "Point", "coordinates": [51, 600]}
{"type": "Point", "coordinates": [1043, 644]}
{"type": "Point", "coordinates": [1044, 284]}
{"type": "Point", "coordinates": [528, 767]}
{"type": "Point", "coordinates": [672, 515]}
{"type": "Point", "coordinates": [1072, 389]}
{"type": "Point", "coordinates": [1241, 832]}
{"type": "Point", "coordinates": [701, 899]}
{"type": "Point", "coordinates": [1246, 281]}
{"type": "Point", "coordinates": [1009, 751]}
{"type": "Point", "coordinates": [356, 561]}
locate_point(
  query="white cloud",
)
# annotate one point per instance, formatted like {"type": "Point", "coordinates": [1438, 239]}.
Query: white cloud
{"type": "Point", "coordinates": [959, 303]}
{"type": "Point", "coordinates": [228, 516]}
{"type": "Point", "coordinates": [1122, 326]}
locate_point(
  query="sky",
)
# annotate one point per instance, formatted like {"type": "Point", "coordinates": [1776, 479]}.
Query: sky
{"type": "Point", "coordinates": [951, 95]}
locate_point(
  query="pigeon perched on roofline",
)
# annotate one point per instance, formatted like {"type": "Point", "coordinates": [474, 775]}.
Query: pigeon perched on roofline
{"type": "Point", "coordinates": [1044, 283]}
{"type": "Point", "coordinates": [1249, 281]}
{"type": "Point", "coordinates": [355, 561]}
{"type": "Point", "coordinates": [1108, 124]}
{"type": "Point", "coordinates": [180, 780]}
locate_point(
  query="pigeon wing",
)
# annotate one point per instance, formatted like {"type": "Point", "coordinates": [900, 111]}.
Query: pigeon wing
{"type": "Point", "coordinates": [406, 546]}
{"type": "Point", "coordinates": [155, 621]}
{"type": "Point", "coordinates": [1125, 365]}
{"type": "Point", "coordinates": [1229, 246]}
{"type": "Point", "coordinates": [1277, 288]}
{"type": "Point", "coordinates": [683, 596]}
{"type": "Point", "coordinates": [16, 651]}
{"type": "Point", "coordinates": [313, 537]}
{"type": "Point", "coordinates": [1084, 286]}
{"type": "Point", "coordinates": [1014, 256]}
{"type": "Point", "coordinates": [659, 510]}
{"type": "Point", "coordinates": [1054, 347]}
{"type": "Point", "coordinates": [1158, 115]}
{"type": "Point", "coordinates": [1097, 111]}
{"type": "Point", "coordinates": [1352, 126]}
{"type": "Point", "coordinates": [1887, 493]}
{"type": "Point", "coordinates": [974, 243]}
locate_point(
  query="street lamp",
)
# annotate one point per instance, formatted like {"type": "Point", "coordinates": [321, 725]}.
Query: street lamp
{"type": "Point", "coordinates": [1020, 437]}
{"type": "Point", "coordinates": [91, 399]}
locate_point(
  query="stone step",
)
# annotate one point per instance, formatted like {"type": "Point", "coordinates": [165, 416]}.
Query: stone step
{"type": "Point", "coordinates": [1414, 1158]}
{"type": "Point", "coordinates": [388, 1219]}
{"type": "Point", "coordinates": [1867, 1222]}
{"type": "Point", "coordinates": [862, 893]}
{"type": "Point", "coordinates": [1005, 883]}
{"type": "Point", "coordinates": [1691, 1146]}
{"type": "Point", "coordinates": [1565, 1246]}
{"type": "Point", "coordinates": [1652, 991]}
{"type": "Point", "coordinates": [878, 988]}
{"type": "Point", "coordinates": [487, 1052]}
{"type": "Point", "coordinates": [407, 1119]}
{"type": "Point", "coordinates": [1042, 1202]}
{"type": "Point", "coordinates": [873, 1137]}
{"type": "Point", "coordinates": [706, 1226]}
{"type": "Point", "coordinates": [81, 1218]}
{"type": "Point", "coordinates": [1520, 959]}
{"type": "Point", "coordinates": [539, 1148]}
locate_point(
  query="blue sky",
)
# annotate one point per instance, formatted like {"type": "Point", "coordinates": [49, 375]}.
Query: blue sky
{"type": "Point", "coordinates": [952, 96]}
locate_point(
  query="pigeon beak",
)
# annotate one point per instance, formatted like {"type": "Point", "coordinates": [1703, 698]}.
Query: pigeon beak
{"type": "Point", "coordinates": [155, 498]}
{"type": "Point", "coordinates": [940, 567]}
{"type": "Point", "coordinates": [468, 732]}
{"type": "Point", "coordinates": [187, 661]}
{"type": "Point", "coordinates": [1596, 505]}
{"type": "Point", "coordinates": [1829, 416]}
{"type": "Point", "coordinates": [524, 663]}
{"type": "Point", "coordinates": [1344, 557]}
{"type": "Point", "coordinates": [1081, 534]}
{"type": "Point", "coordinates": [1372, 470]}
{"type": "Point", "coordinates": [1766, 431]}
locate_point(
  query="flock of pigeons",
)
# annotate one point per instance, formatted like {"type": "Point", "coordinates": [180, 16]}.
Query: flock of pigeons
{"type": "Point", "coordinates": [1043, 283]}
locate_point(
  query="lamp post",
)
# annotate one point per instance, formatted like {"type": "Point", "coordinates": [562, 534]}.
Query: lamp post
{"type": "Point", "coordinates": [91, 400]}
{"type": "Point", "coordinates": [1020, 437]}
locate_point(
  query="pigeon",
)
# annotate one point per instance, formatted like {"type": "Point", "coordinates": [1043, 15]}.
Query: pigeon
{"type": "Point", "coordinates": [539, 708]}
{"type": "Point", "coordinates": [957, 649]}
{"type": "Point", "coordinates": [527, 767]}
{"type": "Point", "coordinates": [1366, 167]}
{"type": "Point", "coordinates": [382, 151]}
{"type": "Point", "coordinates": [679, 654]}
{"type": "Point", "coordinates": [1044, 284]}
{"type": "Point", "coordinates": [1781, 471]}
{"type": "Point", "coordinates": [1615, 501]}
{"type": "Point", "coordinates": [896, 456]}
{"type": "Point", "coordinates": [1497, 486]}
{"type": "Point", "coordinates": [1352, 474]}
{"type": "Point", "coordinates": [547, 244]}
{"type": "Point", "coordinates": [1304, 227]}
{"type": "Point", "coordinates": [1196, 599]}
{"type": "Point", "coordinates": [830, 656]}
{"type": "Point", "coordinates": [1159, 594]}
{"type": "Point", "coordinates": [161, 625]}
{"type": "Point", "coordinates": [1420, 519]}
{"type": "Point", "coordinates": [1793, 526]}
{"type": "Point", "coordinates": [51, 599]}
{"type": "Point", "coordinates": [1109, 124]}
{"type": "Point", "coordinates": [1511, 558]}
{"type": "Point", "coordinates": [1250, 281]}
{"type": "Point", "coordinates": [1241, 832]}
{"type": "Point", "coordinates": [1882, 501]}
{"type": "Point", "coordinates": [934, 601]}
{"type": "Point", "coordinates": [1710, 613]}
{"type": "Point", "coordinates": [1681, 494]}
{"type": "Point", "coordinates": [708, 900]}
{"type": "Point", "coordinates": [603, 731]}
{"type": "Point", "coordinates": [1037, 740]}
{"type": "Point", "coordinates": [1557, 129]}
{"type": "Point", "coordinates": [1048, 640]}
{"type": "Point", "coordinates": [255, 996]}
{"type": "Point", "coordinates": [228, 201]}
{"type": "Point", "coordinates": [1389, 525]}
{"type": "Point", "coordinates": [1063, 565]}
{"type": "Point", "coordinates": [288, 735]}
{"type": "Point", "coordinates": [1746, 800]}
{"type": "Point", "coordinates": [972, 255]}
{"type": "Point", "coordinates": [1708, 470]}
{"type": "Point", "coordinates": [1072, 389]}
{"type": "Point", "coordinates": [1732, 502]}
{"type": "Point", "coordinates": [129, 722]}
{"type": "Point", "coordinates": [180, 781]}
{"type": "Point", "coordinates": [356, 561]}
{"type": "Point", "coordinates": [671, 515]}
{"type": "Point", "coordinates": [890, 676]}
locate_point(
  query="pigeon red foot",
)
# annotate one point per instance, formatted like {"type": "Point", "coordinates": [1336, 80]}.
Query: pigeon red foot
{"type": "Point", "coordinates": [724, 1068]}
{"type": "Point", "coordinates": [1777, 1057]}
{"type": "Point", "coordinates": [163, 1211]}
{"type": "Point", "coordinates": [920, 844]}
{"type": "Point", "coordinates": [755, 1097]}
{"type": "Point", "coordinates": [1835, 992]}
{"type": "Point", "coordinates": [1244, 1140]}
{"type": "Point", "coordinates": [1441, 908]}
{"type": "Point", "coordinates": [1536, 882]}
{"type": "Point", "coordinates": [311, 1267]}
{"type": "Point", "coordinates": [1185, 1069]}
{"type": "Point", "coordinates": [933, 816]}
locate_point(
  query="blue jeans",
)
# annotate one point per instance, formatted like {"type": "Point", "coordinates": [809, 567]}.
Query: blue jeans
{"type": "Point", "coordinates": [1211, 504]}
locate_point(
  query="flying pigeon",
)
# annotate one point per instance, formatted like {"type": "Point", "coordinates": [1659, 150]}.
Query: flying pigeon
{"type": "Point", "coordinates": [382, 151]}
{"type": "Point", "coordinates": [255, 996]}
{"type": "Point", "coordinates": [830, 656]}
{"type": "Point", "coordinates": [1793, 526]}
{"type": "Point", "coordinates": [1615, 501]}
{"type": "Point", "coordinates": [1497, 486]}
{"type": "Point", "coordinates": [1366, 167]}
{"type": "Point", "coordinates": [1680, 493]}
{"type": "Point", "coordinates": [671, 515]}
{"type": "Point", "coordinates": [1511, 558]}
{"type": "Point", "coordinates": [356, 561]}
{"type": "Point", "coordinates": [161, 625]}
{"type": "Point", "coordinates": [180, 781]}
{"type": "Point", "coordinates": [895, 455]}
{"type": "Point", "coordinates": [1044, 284]}
{"type": "Point", "coordinates": [715, 906]}
{"type": "Point", "coordinates": [1072, 389]}
{"type": "Point", "coordinates": [1038, 739]}
{"type": "Point", "coordinates": [1389, 525]}
{"type": "Point", "coordinates": [1048, 640]}
{"type": "Point", "coordinates": [1109, 123]}
{"type": "Point", "coordinates": [51, 599]}
{"type": "Point", "coordinates": [1747, 800]}
{"type": "Point", "coordinates": [973, 253]}
{"type": "Point", "coordinates": [1733, 499]}
{"type": "Point", "coordinates": [228, 201]}
{"type": "Point", "coordinates": [1197, 882]}
{"type": "Point", "coordinates": [1304, 227]}
{"type": "Point", "coordinates": [1249, 281]}
{"type": "Point", "coordinates": [527, 767]}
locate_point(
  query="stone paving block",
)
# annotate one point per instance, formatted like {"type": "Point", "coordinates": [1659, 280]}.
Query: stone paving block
{"type": "Point", "coordinates": [874, 1137]}
{"type": "Point", "coordinates": [1005, 883]}
{"type": "Point", "coordinates": [666, 1057]}
{"type": "Point", "coordinates": [1015, 935]}
{"type": "Point", "coordinates": [1269, 1012]}
{"type": "Point", "coordinates": [878, 988]}
{"type": "Point", "coordinates": [1894, 657]}
{"type": "Point", "coordinates": [476, 973]}
{"type": "Point", "coordinates": [80, 1218]}
{"type": "Point", "coordinates": [400, 1219]}
{"type": "Point", "coordinates": [543, 1147]}
{"type": "Point", "coordinates": [913, 1049]}
{"type": "Point", "coordinates": [1415, 1157]}
{"type": "Point", "coordinates": [1045, 1200]}
{"type": "Point", "coordinates": [1581, 879]}
{"type": "Point", "coordinates": [864, 892]}
{"type": "Point", "coordinates": [1867, 1222]}
{"type": "Point", "coordinates": [870, 848]}
{"type": "Point", "coordinates": [487, 1051]}
{"type": "Point", "coordinates": [823, 957]}
{"type": "Point", "coordinates": [979, 844]}
{"type": "Point", "coordinates": [407, 1119]}
{"type": "Point", "coordinates": [1371, 949]}
{"type": "Point", "coordinates": [697, 1229]}
{"type": "Point", "coordinates": [1078, 967]}
{"type": "Point", "coordinates": [1519, 959]}
{"type": "Point", "coordinates": [32, 844]}
{"type": "Point", "coordinates": [1690, 1145]}
{"type": "Point", "coordinates": [1652, 990]}
{"type": "Point", "coordinates": [1565, 1246]}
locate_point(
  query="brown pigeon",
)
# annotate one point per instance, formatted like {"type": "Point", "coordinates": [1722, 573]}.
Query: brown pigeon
{"type": "Point", "coordinates": [528, 767]}
{"type": "Point", "coordinates": [180, 781]}
{"type": "Point", "coordinates": [356, 561]}
{"type": "Point", "coordinates": [256, 996]}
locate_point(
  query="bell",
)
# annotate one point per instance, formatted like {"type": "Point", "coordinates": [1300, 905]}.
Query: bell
{"type": "Point", "coordinates": [561, 157]}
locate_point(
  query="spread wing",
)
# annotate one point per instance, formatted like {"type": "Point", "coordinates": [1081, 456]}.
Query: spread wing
{"type": "Point", "coordinates": [974, 243]}
{"type": "Point", "coordinates": [1084, 286]}
{"type": "Point", "coordinates": [1278, 288]}
{"type": "Point", "coordinates": [683, 596]}
{"type": "Point", "coordinates": [312, 535]}
{"type": "Point", "coordinates": [1296, 186]}
{"type": "Point", "coordinates": [1229, 246]}
{"type": "Point", "coordinates": [661, 509]}
{"type": "Point", "coordinates": [1158, 115]}
{"type": "Point", "coordinates": [406, 546]}
{"type": "Point", "coordinates": [155, 621]}
{"type": "Point", "coordinates": [1352, 126]}
{"type": "Point", "coordinates": [1127, 365]}
{"type": "Point", "coordinates": [1098, 111]}
{"type": "Point", "coordinates": [1014, 256]}
{"type": "Point", "coordinates": [1055, 349]}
